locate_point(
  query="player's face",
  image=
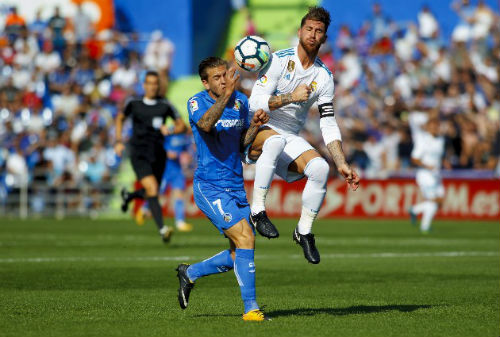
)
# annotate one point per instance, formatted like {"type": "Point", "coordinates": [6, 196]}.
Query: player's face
{"type": "Point", "coordinates": [312, 35]}
{"type": "Point", "coordinates": [151, 86]}
{"type": "Point", "coordinates": [216, 80]}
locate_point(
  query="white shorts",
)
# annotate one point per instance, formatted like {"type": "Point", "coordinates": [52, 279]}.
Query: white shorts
{"type": "Point", "coordinates": [295, 146]}
{"type": "Point", "coordinates": [430, 185]}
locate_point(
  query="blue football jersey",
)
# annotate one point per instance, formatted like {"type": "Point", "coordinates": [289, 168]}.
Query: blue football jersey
{"type": "Point", "coordinates": [218, 151]}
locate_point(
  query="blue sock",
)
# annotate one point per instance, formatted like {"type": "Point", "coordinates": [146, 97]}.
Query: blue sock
{"type": "Point", "coordinates": [219, 263]}
{"type": "Point", "coordinates": [244, 269]}
{"type": "Point", "coordinates": [179, 210]}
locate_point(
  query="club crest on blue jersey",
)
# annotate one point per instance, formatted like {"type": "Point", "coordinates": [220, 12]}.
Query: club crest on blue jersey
{"type": "Point", "coordinates": [227, 217]}
{"type": "Point", "coordinates": [237, 105]}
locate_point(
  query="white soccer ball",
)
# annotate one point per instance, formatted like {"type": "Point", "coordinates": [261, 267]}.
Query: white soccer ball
{"type": "Point", "coordinates": [252, 53]}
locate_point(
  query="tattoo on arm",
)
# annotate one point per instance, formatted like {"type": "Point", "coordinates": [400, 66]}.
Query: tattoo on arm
{"type": "Point", "coordinates": [276, 102]}
{"type": "Point", "coordinates": [338, 156]}
{"type": "Point", "coordinates": [212, 115]}
{"type": "Point", "coordinates": [248, 136]}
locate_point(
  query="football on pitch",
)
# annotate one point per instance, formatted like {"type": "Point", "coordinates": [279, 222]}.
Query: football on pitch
{"type": "Point", "coordinates": [252, 53]}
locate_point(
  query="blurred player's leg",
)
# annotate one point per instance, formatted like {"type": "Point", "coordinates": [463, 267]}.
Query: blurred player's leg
{"type": "Point", "coordinates": [127, 197]}
{"type": "Point", "coordinates": [180, 211]}
{"type": "Point", "coordinates": [430, 209]}
{"type": "Point", "coordinates": [151, 186]}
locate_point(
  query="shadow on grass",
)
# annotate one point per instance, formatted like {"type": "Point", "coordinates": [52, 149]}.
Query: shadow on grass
{"type": "Point", "coordinates": [354, 310]}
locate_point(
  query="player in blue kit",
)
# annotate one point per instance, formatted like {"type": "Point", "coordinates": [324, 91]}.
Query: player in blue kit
{"type": "Point", "coordinates": [221, 129]}
{"type": "Point", "coordinates": [173, 178]}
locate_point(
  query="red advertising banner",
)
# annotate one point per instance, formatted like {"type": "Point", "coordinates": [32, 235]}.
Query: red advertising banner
{"type": "Point", "coordinates": [464, 199]}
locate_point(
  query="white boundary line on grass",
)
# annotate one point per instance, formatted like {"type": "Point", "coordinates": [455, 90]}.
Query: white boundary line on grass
{"type": "Point", "coordinates": [293, 256]}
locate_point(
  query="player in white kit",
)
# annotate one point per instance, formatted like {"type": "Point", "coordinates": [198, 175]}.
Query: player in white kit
{"type": "Point", "coordinates": [291, 83]}
{"type": "Point", "coordinates": [427, 155]}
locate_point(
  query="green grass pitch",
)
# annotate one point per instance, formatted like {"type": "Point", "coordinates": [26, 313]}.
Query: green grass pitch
{"type": "Point", "coordinates": [376, 278]}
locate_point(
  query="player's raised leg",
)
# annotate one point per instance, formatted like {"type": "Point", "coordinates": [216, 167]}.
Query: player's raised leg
{"type": "Point", "coordinates": [270, 144]}
{"type": "Point", "coordinates": [316, 169]}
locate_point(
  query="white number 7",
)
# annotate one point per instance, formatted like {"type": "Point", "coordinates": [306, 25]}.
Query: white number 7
{"type": "Point", "coordinates": [219, 206]}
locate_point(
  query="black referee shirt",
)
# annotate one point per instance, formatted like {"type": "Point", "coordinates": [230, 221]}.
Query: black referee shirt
{"type": "Point", "coordinates": [147, 120]}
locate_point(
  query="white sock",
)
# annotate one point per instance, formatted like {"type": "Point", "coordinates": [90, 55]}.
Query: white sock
{"type": "Point", "coordinates": [314, 192]}
{"type": "Point", "coordinates": [264, 171]}
{"type": "Point", "coordinates": [163, 230]}
{"type": "Point", "coordinates": [418, 208]}
{"type": "Point", "coordinates": [431, 208]}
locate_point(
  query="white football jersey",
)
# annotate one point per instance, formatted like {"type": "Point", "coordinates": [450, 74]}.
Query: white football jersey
{"type": "Point", "coordinates": [281, 76]}
{"type": "Point", "coordinates": [429, 150]}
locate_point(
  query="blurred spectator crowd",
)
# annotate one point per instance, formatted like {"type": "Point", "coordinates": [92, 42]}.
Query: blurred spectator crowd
{"type": "Point", "coordinates": [387, 71]}
{"type": "Point", "coordinates": [62, 83]}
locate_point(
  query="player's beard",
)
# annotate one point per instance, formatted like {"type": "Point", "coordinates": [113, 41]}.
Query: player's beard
{"type": "Point", "coordinates": [313, 51]}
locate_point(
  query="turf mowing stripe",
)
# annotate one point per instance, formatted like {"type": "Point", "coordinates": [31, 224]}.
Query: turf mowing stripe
{"type": "Point", "coordinates": [294, 256]}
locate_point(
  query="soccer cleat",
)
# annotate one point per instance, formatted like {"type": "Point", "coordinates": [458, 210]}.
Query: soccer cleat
{"type": "Point", "coordinates": [139, 217]}
{"type": "Point", "coordinates": [167, 235]}
{"type": "Point", "coordinates": [263, 225]}
{"type": "Point", "coordinates": [124, 194]}
{"type": "Point", "coordinates": [255, 316]}
{"type": "Point", "coordinates": [308, 246]}
{"type": "Point", "coordinates": [184, 227]}
{"type": "Point", "coordinates": [413, 217]}
{"type": "Point", "coordinates": [185, 285]}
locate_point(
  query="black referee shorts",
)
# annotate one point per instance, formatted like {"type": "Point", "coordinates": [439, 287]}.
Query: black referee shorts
{"type": "Point", "coordinates": [148, 161]}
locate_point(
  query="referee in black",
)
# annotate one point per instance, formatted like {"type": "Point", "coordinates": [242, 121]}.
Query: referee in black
{"type": "Point", "coordinates": [147, 153]}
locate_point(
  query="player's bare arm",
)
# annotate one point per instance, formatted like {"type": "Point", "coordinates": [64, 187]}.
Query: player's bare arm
{"type": "Point", "coordinates": [212, 115]}
{"type": "Point", "coordinates": [419, 163]}
{"type": "Point", "coordinates": [259, 118]}
{"type": "Point", "coordinates": [300, 94]}
{"type": "Point", "coordinates": [179, 127]}
{"type": "Point", "coordinates": [119, 146]}
{"type": "Point", "coordinates": [350, 175]}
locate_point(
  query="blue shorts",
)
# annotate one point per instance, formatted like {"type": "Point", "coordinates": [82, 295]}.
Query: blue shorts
{"type": "Point", "coordinates": [223, 207]}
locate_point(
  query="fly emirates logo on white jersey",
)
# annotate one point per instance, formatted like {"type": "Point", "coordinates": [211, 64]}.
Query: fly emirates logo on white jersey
{"type": "Point", "coordinates": [231, 123]}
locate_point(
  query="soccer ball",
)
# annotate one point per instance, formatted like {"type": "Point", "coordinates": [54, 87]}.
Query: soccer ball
{"type": "Point", "coordinates": [252, 53]}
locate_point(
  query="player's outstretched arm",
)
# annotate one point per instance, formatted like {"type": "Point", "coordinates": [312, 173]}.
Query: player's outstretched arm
{"type": "Point", "coordinates": [212, 115]}
{"type": "Point", "coordinates": [259, 118]}
{"type": "Point", "coordinates": [300, 94]}
{"type": "Point", "coordinates": [350, 175]}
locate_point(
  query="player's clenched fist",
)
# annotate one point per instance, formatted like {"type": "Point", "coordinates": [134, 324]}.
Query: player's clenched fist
{"type": "Point", "coordinates": [260, 117]}
{"type": "Point", "coordinates": [301, 93]}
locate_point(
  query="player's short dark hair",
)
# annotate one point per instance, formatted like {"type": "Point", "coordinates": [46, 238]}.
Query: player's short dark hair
{"type": "Point", "coordinates": [317, 14]}
{"type": "Point", "coordinates": [151, 73]}
{"type": "Point", "coordinates": [209, 62]}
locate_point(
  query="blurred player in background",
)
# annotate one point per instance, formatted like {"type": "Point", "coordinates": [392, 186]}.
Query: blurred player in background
{"type": "Point", "coordinates": [176, 145]}
{"type": "Point", "coordinates": [148, 156]}
{"type": "Point", "coordinates": [427, 155]}
{"type": "Point", "coordinates": [292, 82]}
{"type": "Point", "coordinates": [219, 118]}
